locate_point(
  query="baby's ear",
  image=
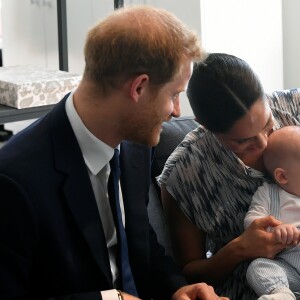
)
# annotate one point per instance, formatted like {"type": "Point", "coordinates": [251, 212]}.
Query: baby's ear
{"type": "Point", "coordinates": [280, 176]}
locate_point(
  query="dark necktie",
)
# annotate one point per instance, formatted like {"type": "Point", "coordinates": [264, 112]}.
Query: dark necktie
{"type": "Point", "coordinates": [127, 280]}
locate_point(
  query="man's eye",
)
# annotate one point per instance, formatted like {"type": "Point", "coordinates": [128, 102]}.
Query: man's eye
{"type": "Point", "coordinates": [242, 141]}
{"type": "Point", "coordinates": [270, 131]}
{"type": "Point", "coordinates": [174, 97]}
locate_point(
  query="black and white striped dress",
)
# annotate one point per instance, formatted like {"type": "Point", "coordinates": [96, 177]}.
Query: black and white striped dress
{"type": "Point", "coordinates": [214, 189]}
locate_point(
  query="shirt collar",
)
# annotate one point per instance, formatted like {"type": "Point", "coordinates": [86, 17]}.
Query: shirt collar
{"type": "Point", "coordinates": [96, 153]}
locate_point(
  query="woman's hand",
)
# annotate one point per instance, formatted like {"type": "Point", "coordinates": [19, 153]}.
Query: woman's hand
{"type": "Point", "coordinates": [256, 241]}
{"type": "Point", "coordinates": [197, 291]}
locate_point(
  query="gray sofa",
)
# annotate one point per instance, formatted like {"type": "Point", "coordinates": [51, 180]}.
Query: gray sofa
{"type": "Point", "coordinates": [173, 133]}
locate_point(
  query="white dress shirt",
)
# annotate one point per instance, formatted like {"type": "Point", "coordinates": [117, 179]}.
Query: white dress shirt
{"type": "Point", "coordinates": [97, 155]}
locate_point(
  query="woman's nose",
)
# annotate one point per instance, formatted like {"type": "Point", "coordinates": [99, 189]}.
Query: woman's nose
{"type": "Point", "coordinates": [262, 140]}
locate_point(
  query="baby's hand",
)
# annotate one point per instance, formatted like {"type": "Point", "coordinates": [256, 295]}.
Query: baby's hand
{"type": "Point", "coordinates": [287, 234]}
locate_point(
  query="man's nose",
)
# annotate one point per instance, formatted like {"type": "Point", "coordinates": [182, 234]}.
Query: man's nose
{"type": "Point", "coordinates": [176, 109]}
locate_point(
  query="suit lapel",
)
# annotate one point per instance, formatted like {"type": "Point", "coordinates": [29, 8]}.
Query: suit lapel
{"type": "Point", "coordinates": [78, 189]}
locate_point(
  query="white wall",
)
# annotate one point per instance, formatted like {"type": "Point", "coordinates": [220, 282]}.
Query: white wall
{"type": "Point", "coordinates": [291, 43]}
{"type": "Point", "coordinates": [82, 15]}
{"type": "Point", "coordinates": [251, 30]}
{"type": "Point", "coordinates": [30, 33]}
{"type": "Point", "coordinates": [263, 32]}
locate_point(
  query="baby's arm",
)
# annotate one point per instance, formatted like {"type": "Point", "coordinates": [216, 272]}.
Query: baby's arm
{"type": "Point", "coordinates": [259, 206]}
{"type": "Point", "coordinates": [287, 234]}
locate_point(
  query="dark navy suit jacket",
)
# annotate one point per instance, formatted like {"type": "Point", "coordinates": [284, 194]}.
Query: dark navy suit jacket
{"type": "Point", "coordinates": [52, 243]}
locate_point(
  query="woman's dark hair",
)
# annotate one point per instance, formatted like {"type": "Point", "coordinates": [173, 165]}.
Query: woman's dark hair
{"type": "Point", "coordinates": [221, 91]}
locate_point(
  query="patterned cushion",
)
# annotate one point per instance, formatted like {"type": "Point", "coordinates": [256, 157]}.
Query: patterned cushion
{"type": "Point", "coordinates": [286, 100]}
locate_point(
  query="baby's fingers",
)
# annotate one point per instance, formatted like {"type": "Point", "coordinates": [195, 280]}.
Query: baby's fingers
{"type": "Point", "coordinates": [280, 235]}
{"type": "Point", "coordinates": [296, 238]}
{"type": "Point", "coordinates": [290, 235]}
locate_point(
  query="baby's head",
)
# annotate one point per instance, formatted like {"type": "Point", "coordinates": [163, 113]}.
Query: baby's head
{"type": "Point", "coordinates": [282, 158]}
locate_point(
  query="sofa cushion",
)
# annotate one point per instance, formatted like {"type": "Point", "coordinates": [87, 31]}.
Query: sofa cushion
{"type": "Point", "coordinates": [172, 134]}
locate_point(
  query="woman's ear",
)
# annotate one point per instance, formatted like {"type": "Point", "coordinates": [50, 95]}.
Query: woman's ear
{"type": "Point", "coordinates": [138, 86]}
{"type": "Point", "coordinates": [280, 176]}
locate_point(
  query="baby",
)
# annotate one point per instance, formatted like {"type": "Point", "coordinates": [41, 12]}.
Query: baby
{"type": "Point", "coordinates": [279, 278]}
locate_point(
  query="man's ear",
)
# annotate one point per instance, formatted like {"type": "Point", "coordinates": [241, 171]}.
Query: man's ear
{"type": "Point", "coordinates": [280, 176]}
{"type": "Point", "coordinates": [138, 86]}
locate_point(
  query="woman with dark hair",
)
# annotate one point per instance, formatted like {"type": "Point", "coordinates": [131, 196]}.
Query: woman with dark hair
{"type": "Point", "coordinates": [209, 180]}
